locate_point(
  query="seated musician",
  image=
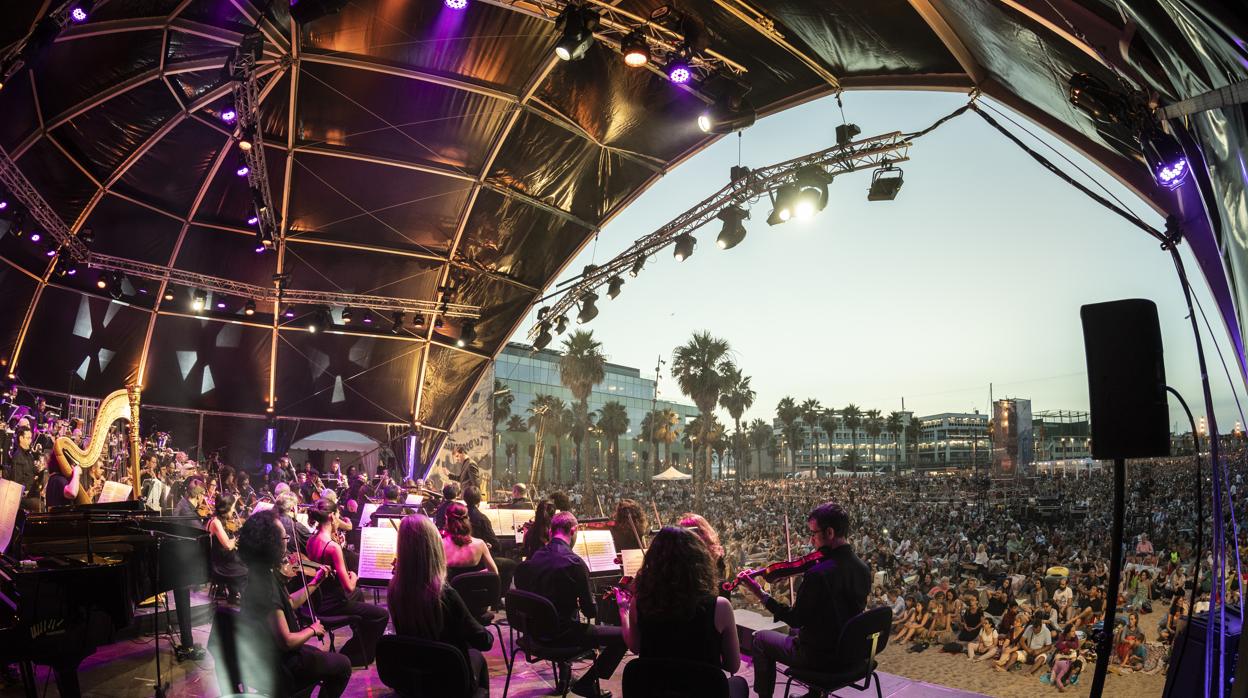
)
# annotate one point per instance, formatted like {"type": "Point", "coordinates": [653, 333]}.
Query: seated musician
{"type": "Point", "coordinates": [464, 552]}
{"type": "Point", "coordinates": [227, 567]}
{"type": "Point", "coordinates": [390, 504]}
{"type": "Point", "coordinates": [26, 469]}
{"type": "Point", "coordinates": [538, 533]}
{"type": "Point", "coordinates": [425, 606]}
{"type": "Point", "coordinates": [154, 489]}
{"type": "Point", "coordinates": [192, 499]}
{"type": "Point", "coordinates": [450, 492]}
{"type": "Point", "coordinates": [342, 597]}
{"type": "Point", "coordinates": [699, 525]}
{"type": "Point", "coordinates": [60, 490]}
{"type": "Point", "coordinates": [342, 525]}
{"type": "Point", "coordinates": [287, 505]}
{"type": "Point", "coordinates": [519, 498]}
{"type": "Point", "coordinates": [832, 592]}
{"type": "Point", "coordinates": [269, 610]}
{"type": "Point", "coordinates": [561, 576]}
{"type": "Point", "coordinates": [483, 529]}
{"type": "Point", "coordinates": [561, 501]}
{"type": "Point", "coordinates": [675, 611]}
{"type": "Point", "coordinates": [630, 526]}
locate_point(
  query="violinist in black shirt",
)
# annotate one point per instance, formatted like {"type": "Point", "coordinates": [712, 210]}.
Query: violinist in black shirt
{"type": "Point", "coordinates": [832, 591]}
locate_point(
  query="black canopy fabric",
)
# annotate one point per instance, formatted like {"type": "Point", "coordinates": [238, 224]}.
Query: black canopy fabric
{"type": "Point", "coordinates": [410, 145]}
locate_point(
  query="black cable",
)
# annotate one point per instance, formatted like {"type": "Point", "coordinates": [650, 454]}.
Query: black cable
{"type": "Point", "coordinates": [1200, 531]}
{"type": "Point", "coordinates": [939, 122]}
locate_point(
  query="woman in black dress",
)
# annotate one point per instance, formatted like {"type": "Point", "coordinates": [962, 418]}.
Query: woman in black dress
{"type": "Point", "coordinates": [675, 612]}
{"type": "Point", "coordinates": [226, 565]}
{"type": "Point", "coordinates": [424, 605]}
{"type": "Point", "coordinates": [538, 534]}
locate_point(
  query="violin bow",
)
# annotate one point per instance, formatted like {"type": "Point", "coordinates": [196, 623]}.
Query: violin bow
{"type": "Point", "coordinates": [600, 510]}
{"type": "Point", "coordinates": [657, 518]}
{"type": "Point", "coordinates": [788, 551]}
{"type": "Point", "coordinates": [307, 595]}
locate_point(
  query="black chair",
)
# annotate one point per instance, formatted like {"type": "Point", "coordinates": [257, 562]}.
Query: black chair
{"type": "Point", "coordinates": [535, 620]}
{"type": "Point", "coordinates": [330, 623]}
{"type": "Point", "coordinates": [862, 638]}
{"type": "Point", "coordinates": [480, 591]}
{"type": "Point", "coordinates": [417, 668]}
{"type": "Point", "coordinates": [227, 652]}
{"type": "Point", "coordinates": [673, 678]}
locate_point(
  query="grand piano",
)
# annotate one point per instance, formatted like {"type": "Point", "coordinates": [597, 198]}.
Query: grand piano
{"type": "Point", "coordinates": [83, 570]}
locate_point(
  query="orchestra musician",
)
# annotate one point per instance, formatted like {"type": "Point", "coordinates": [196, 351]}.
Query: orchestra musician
{"type": "Point", "coordinates": [465, 552]}
{"type": "Point", "coordinates": [675, 611]}
{"type": "Point", "coordinates": [26, 469]}
{"type": "Point", "coordinates": [60, 490]}
{"type": "Point", "coordinates": [193, 498]}
{"type": "Point", "coordinates": [450, 492]}
{"type": "Point", "coordinates": [519, 498]}
{"type": "Point", "coordinates": [154, 490]}
{"type": "Point", "coordinates": [297, 535]}
{"type": "Point", "coordinates": [629, 527]}
{"type": "Point", "coordinates": [700, 526]}
{"type": "Point", "coordinates": [561, 576]}
{"type": "Point", "coordinates": [483, 529]}
{"type": "Point", "coordinates": [537, 535]}
{"type": "Point", "coordinates": [832, 591]}
{"type": "Point", "coordinates": [278, 643]}
{"type": "Point", "coordinates": [341, 596]}
{"type": "Point", "coordinates": [390, 504]}
{"type": "Point", "coordinates": [227, 567]}
{"type": "Point", "coordinates": [423, 603]}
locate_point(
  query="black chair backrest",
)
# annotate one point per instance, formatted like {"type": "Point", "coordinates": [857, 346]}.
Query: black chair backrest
{"type": "Point", "coordinates": [673, 678]}
{"type": "Point", "coordinates": [423, 668]}
{"type": "Point", "coordinates": [479, 590]}
{"type": "Point", "coordinates": [532, 614]}
{"type": "Point", "coordinates": [871, 627]}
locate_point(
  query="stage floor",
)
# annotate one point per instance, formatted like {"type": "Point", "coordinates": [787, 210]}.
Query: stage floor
{"type": "Point", "coordinates": [127, 669]}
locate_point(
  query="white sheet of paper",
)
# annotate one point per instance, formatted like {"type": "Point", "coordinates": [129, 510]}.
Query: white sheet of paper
{"type": "Point", "coordinates": [597, 549]}
{"type": "Point", "coordinates": [261, 506]}
{"type": "Point", "coordinates": [114, 492]}
{"type": "Point", "coordinates": [507, 521]}
{"type": "Point", "coordinates": [302, 517]}
{"type": "Point", "coordinates": [10, 503]}
{"type": "Point", "coordinates": [366, 515]}
{"type": "Point", "coordinates": [377, 550]}
{"type": "Point", "coordinates": [414, 500]}
{"type": "Point", "coordinates": [632, 560]}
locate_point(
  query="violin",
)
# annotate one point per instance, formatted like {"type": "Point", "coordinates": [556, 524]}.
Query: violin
{"type": "Point", "coordinates": [777, 570]}
{"type": "Point", "coordinates": [292, 564]}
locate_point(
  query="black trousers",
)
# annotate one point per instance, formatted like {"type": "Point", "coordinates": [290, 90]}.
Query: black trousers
{"type": "Point", "coordinates": [368, 625]}
{"type": "Point", "coordinates": [609, 639]}
{"type": "Point", "coordinates": [309, 667]}
{"type": "Point", "coordinates": [771, 647]}
{"type": "Point", "coordinates": [479, 669]}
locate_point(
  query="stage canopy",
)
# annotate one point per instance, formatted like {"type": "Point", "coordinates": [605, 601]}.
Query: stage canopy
{"type": "Point", "coordinates": [422, 152]}
{"type": "Point", "coordinates": [671, 474]}
{"type": "Point", "coordinates": [335, 440]}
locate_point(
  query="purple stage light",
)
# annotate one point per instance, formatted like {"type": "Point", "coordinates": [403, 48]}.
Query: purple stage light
{"type": "Point", "coordinates": [456, 4]}
{"type": "Point", "coordinates": [368, 320]}
{"type": "Point", "coordinates": [243, 171]}
{"type": "Point", "coordinates": [253, 220]}
{"type": "Point", "coordinates": [1172, 175]}
{"type": "Point", "coordinates": [3, 205]}
{"type": "Point", "coordinates": [289, 313]}
{"type": "Point", "coordinates": [50, 253]}
{"type": "Point", "coordinates": [72, 271]}
{"type": "Point", "coordinates": [35, 237]}
{"type": "Point", "coordinates": [78, 14]}
{"type": "Point", "coordinates": [679, 73]}
{"type": "Point", "coordinates": [220, 305]}
{"type": "Point", "coordinates": [229, 116]}
{"type": "Point", "coordinates": [260, 249]}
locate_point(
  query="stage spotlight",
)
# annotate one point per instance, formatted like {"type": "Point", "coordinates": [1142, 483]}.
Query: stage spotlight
{"type": "Point", "coordinates": [589, 310]}
{"type": "Point", "coordinates": [813, 198]}
{"type": "Point", "coordinates": [229, 116]}
{"type": "Point", "coordinates": [368, 319]}
{"type": "Point", "coordinates": [439, 323]}
{"type": "Point", "coordinates": [561, 324]}
{"type": "Point", "coordinates": [198, 300]}
{"type": "Point", "coordinates": [733, 231]}
{"type": "Point", "coordinates": [1099, 101]}
{"type": "Point", "coordinates": [116, 286]}
{"type": "Point", "coordinates": [3, 205]}
{"type": "Point", "coordinates": [247, 139]}
{"type": "Point", "coordinates": [249, 308]}
{"type": "Point", "coordinates": [66, 268]}
{"type": "Point", "coordinates": [36, 237]}
{"type": "Point", "coordinates": [347, 316]}
{"type": "Point", "coordinates": [304, 11]}
{"type": "Point", "coordinates": [253, 220]}
{"type": "Point", "coordinates": [51, 252]}
{"type": "Point", "coordinates": [885, 183]}
{"type": "Point", "coordinates": [846, 133]}
{"type": "Point", "coordinates": [614, 285]}
{"type": "Point", "coordinates": [638, 264]}
{"type": "Point", "coordinates": [221, 304]}
{"type": "Point", "coordinates": [242, 171]}
{"type": "Point", "coordinates": [683, 249]}
{"type": "Point", "coordinates": [467, 333]}
{"type": "Point", "coordinates": [636, 49]}
{"type": "Point", "coordinates": [396, 326]}
{"type": "Point", "coordinates": [102, 282]}
{"type": "Point", "coordinates": [289, 314]}
{"type": "Point", "coordinates": [783, 202]}
{"type": "Point", "coordinates": [320, 319]}
{"type": "Point", "coordinates": [728, 114]}
{"type": "Point", "coordinates": [543, 337]}
{"type": "Point", "coordinates": [82, 11]}
{"type": "Point", "coordinates": [1165, 158]}
{"type": "Point", "coordinates": [678, 70]}
{"type": "Point", "coordinates": [455, 4]}
{"type": "Point", "coordinates": [418, 321]}
{"type": "Point", "coordinates": [168, 295]}
{"type": "Point", "coordinates": [577, 24]}
{"type": "Point", "coordinates": [87, 235]}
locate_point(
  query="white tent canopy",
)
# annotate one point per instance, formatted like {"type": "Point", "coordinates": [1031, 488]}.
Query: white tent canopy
{"type": "Point", "coordinates": [672, 474]}
{"type": "Point", "coordinates": [335, 440]}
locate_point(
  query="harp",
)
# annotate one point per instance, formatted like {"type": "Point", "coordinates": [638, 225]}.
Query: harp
{"type": "Point", "coordinates": [119, 404]}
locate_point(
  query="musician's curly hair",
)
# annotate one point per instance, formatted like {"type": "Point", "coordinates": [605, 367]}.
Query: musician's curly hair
{"type": "Point", "coordinates": [260, 541]}
{"type": "Point", "coordinates": [676, 575]}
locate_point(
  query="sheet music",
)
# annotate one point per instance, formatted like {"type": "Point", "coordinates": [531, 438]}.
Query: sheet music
{"type": "Point", "coordinates": [261, 506]}
{"type": "Point", "coordinates": [597, 549]}
{"type": "Point", "coordinates": [114, 492]}
{"type": "Point", "coordinates": [508, 521]}
{"type": "Point", "coordinates": [414, 500]}
{"type": "Point", "coordinates": [10, 503]}
{"type": "Point", "coordinates": [377, 550]}
{"type": "Point", "coordinates": [366, 514]}
{"type": "Point", "coordinates": [302, 517]}
{"type": "Point", "coordinates": [632, 560]}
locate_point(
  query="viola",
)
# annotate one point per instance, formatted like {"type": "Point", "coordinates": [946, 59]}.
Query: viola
{"type": "Point", "coordinates": [778, 570]}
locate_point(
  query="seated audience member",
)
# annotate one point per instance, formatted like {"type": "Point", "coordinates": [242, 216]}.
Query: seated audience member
{"type": "Point", "coordinates": [341, 597]}
{"type": "Point", "coordinates": [1065, 653]}
{"type": "Point", "coordinates": [423, 603]}
{"type": "Point", "coordinates": [276, 639]}
{"type": "Point", "coordinates": [984, 645]}
{"type": "Point", "coordinates": [971, 621]}
{"type": "Point", "coordinates": [558, 574]}
{"type": "Point", "coordinates": [676, 612]}
{"type": "Point", "coordinates": [464, 552]}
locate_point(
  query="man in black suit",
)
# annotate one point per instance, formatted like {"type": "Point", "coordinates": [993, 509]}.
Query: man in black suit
{"type": "Point", "coordinates": [450, 492]}
{"type": "Point", "coordinates": [483, 529]}
{"type": "Point", "coordinates": [558, 574]}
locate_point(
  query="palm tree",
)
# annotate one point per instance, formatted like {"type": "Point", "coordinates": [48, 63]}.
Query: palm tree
{"type": "Point", "coordinates": [760, 434]}
{"type": "Point", "coordinates": [828, 423]}
{"type": "Point", "coordinates": [561, 427]}
{"type": "Point", "coordinates": [794, 437]}
{"type": "Point", "coordinates": [697, 367]}
{"type": "Point", "coordinates": [516, 423]}
{"type": "Point", "coordinates": [613, 421]}
{"type": "Point", "coordinates": [581, 367]}
{"type": "Point", "coordinates": [788, 413]}
{"type": "Point", "coordinates": [893, 425]}
{"type": "Point", "coordinates": [914, 430]}
{"type": "Point", "coordinates": [659, 428]}
{"type": "Point", "coordinates": [773, 448]}
{"type": "Point", "coordinates": [502, 402]}
{"type": "Point", "coordinates": [706, 435]}
{"type": "Point", "coordinates": [874, 426]}
{"type": "Point", "coordinates": [810, 417]}
{"type": "Point", "coordinates": [852, 416]}
{"type": "Point", "coordinates": [737, 397]}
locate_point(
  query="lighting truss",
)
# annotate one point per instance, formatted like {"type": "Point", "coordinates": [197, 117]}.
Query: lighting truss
{"type": "Point", "coordinates": [22, 190]}
{"type": "Point", "coordinates": [13, 60]}
{"type": "Point", "coordinates": [615, 23]}
{"type": "Point", "coordinates": [864, 154]}
{"type": "Point", "coordinates": [265, 294]}
{"type": "Point", "coordinates": [247, 106]}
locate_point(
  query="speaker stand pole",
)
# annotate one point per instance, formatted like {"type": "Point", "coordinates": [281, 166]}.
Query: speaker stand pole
{"type": "Point", "coordinates": [1106, 644]}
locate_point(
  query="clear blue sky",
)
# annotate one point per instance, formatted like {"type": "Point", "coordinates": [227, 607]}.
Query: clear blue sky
{"type": "Point", "coordinates": [975, 274]}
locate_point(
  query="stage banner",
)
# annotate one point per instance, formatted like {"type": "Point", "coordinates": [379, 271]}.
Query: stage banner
{"type": "Point", "coordinates": [1012, 446]}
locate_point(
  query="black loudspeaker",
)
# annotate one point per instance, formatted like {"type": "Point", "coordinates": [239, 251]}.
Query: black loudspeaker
{"type": "Point", "coordinates": [1126, 380]}
{"type": "Point", "coordinates": [1186, 674]}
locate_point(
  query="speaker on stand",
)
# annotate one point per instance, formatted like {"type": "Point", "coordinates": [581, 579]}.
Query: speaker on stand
{"type": "Point", "coordinates": [1130, 418]}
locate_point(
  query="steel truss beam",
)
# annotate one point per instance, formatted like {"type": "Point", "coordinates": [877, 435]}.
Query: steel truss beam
{"type": "Point", "coordinates": [247, 107]}
{"type": "Point", "coordinates": [263, 294]}
{"type": "Point", "coordinates": [21, 189]}
{"type": "Point", "coordinates": [858, 155]}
